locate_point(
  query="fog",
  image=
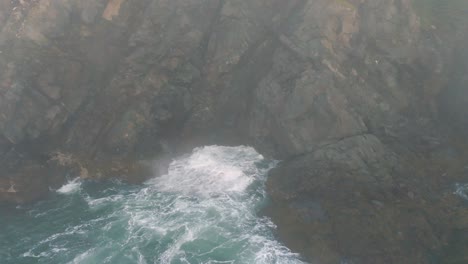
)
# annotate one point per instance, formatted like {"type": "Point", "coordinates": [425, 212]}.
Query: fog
{"type": "Point", "coordinates": [351, 115]}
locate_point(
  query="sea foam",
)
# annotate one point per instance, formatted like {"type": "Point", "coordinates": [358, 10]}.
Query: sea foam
{"type": "Point", "coordinates": [70, 187]}
{"type": "Point", "coordinates": [204, 210]}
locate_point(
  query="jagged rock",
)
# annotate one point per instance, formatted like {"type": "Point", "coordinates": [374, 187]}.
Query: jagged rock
{"type": "Point", "coordinates": [82, 66]}
{"type": "Point", "coordinates": [350, 201]}
{"type": "Point", "coordinates": [344, 91]}
{"type": "Point", "coordinates": [25, 185]}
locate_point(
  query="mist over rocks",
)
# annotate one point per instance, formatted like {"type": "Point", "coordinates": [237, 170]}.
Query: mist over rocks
{"type": "Point", "coordinates": [364, 101]}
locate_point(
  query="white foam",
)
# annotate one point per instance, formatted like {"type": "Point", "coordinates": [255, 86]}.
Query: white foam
{"type": "Point", "coordinates": [70, 187]}
{"type": "Point", "coordinates": [100, 202]}
{"type": "Point", "coordinates": [204, 210]}
{"type": "Point", "coordinates": [207, 192]}
{"type": "Point", "coordinates": [85, 257]}
{"type": "Point", "coordinates": [272, 251]}
{"type": "Point", "coordinates": [168, 256]}
{"type": "Point", "coordinates": [210, 171]}
{"type": "Point", "coordinates": [462, 190]}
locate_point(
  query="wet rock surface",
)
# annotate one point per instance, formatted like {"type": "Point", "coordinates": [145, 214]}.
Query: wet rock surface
{"type": "Point", "coordinates": [364, 101]}
{"type": "Point", "coordinates": [360, 201]}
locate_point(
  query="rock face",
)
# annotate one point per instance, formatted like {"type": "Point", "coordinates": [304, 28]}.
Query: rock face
{"type": "Point", "coordinates": [359, 200]}
{"type": "Point", "coordinates": [346, 92]}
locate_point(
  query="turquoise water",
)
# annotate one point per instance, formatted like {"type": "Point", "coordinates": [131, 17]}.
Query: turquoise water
{"type": "Point", "coordinates": [203, 211]}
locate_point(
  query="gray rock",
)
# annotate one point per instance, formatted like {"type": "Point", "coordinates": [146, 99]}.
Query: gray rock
{"type": "Point", "coordinates": [345, 92]}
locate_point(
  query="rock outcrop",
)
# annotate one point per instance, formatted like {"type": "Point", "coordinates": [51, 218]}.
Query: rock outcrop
{"type": "Point", "coordinates": [359, 200]}
{"type": "Point", "coordinates": [363, 100]}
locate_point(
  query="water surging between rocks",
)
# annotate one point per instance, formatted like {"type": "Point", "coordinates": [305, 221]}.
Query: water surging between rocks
{"type": "Point", "coordinates": [204, 210]}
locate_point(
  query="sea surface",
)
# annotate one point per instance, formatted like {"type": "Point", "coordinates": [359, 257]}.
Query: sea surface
{"type": "Point", "coordinates": [204, 210]}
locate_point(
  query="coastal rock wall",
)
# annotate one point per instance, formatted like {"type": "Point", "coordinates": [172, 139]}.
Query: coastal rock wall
{"type": "Point", "coordinates": [285, 76]}
{"type": "Point", "coordinates": [345, 91]}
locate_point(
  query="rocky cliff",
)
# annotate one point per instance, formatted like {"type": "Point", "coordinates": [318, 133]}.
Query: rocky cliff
{"type": "Point", "coordinates": [365, 101]}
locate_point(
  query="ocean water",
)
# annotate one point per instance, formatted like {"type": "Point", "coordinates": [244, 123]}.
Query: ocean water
{"type": "Point", "coordinates": [205, 210]}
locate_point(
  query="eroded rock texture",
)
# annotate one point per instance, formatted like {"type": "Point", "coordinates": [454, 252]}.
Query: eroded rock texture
{"type": "Point", "coordinates": [365, 102]}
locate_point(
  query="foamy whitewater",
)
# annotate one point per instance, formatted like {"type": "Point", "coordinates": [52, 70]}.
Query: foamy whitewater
{"type": "Point", "coordinates": [71, 187]}
{"type": "Point", "coordinates": [205, 210]}
{"type": "Point", "coordinates": [462, 190]}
